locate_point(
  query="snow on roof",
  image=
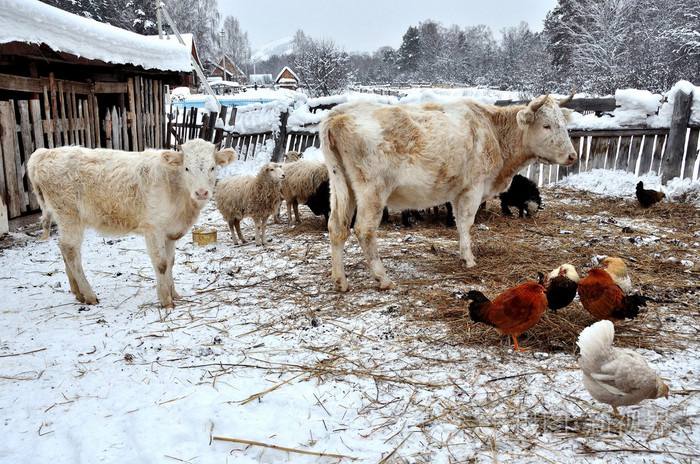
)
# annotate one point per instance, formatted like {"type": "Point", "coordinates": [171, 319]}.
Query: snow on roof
{"type": "Point", "coordinates": [287, 68]}
{"type": "Point", "coordinates": [31, 21]}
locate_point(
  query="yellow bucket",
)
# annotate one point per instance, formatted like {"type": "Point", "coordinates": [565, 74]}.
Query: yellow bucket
{"type": "Point", "coordinates": [202, 236]}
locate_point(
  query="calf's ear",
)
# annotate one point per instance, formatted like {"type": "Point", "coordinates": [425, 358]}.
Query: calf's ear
{"type": "Point", "coordinates": [225, 156]}
{"type": "Point", "coordinates": [568, 114]}
{"type": "Point", "coordinates": [173, 158]}
{"type": "Point", "coordinates": [525, 117]}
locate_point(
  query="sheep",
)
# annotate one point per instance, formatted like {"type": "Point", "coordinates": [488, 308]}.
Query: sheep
{"type": "Point", "coordinates": [302, 179]}
{"type": "Point", "coordinates": [155, 193]}
{"type": "Point", "coordinates": [523, 194]}
{"type": "Point", "coordinates": [250, 196]}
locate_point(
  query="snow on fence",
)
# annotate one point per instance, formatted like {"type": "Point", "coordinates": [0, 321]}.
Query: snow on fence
{"type": "Point", "coordinates": [50, 112]}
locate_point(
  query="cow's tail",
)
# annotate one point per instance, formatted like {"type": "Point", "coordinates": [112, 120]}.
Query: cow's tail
{"type": "Point", "coordinates": [342, 200]}
{"type": "Point", "coordinates": [46, 215]}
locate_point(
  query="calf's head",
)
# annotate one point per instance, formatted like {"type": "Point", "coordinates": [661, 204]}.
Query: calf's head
{"type": "Point", "coordinates": [197, 162]}
{"type": "Point", "coordinates": [543, 122]}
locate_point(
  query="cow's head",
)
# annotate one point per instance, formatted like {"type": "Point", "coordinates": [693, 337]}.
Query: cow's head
{"type": "Point", "coordinates": [544, 124]}
{"type": "Point", "coordinates": [197, 162]}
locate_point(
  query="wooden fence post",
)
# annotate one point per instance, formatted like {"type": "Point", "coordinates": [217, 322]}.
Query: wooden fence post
{"type": "Point", "coordinates": [673, 157]}
{"type": "Point", "coordinates": [281, 138]}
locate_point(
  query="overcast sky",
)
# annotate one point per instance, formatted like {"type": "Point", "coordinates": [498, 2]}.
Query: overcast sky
{"type": "Point", "coordinates": [365, 25]}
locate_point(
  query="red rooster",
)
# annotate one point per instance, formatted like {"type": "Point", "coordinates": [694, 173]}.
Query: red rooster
{"type": "Point", "coordinates": [606, 293]}
{"type": "Point", "coordinates": [513, 311]}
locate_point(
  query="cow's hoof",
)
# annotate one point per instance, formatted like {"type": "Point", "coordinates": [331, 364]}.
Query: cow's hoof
{"type": "Point", "coordinates": [468, 262]}
{"type": "Point", "coordinates": [386, 284]}
{"type": "Point", "coordinates": [175, 294]}
{"type": "Point", "coordinates": [91, 299]}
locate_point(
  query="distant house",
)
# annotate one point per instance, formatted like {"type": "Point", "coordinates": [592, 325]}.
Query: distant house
{"type": "Point", "coordinates": [70, 80]}
{"type": "Point", "coordinates": [222, 87]}
{"type": "Point", "coordinates": [287, 79]}
{"type": "Point", "coordinates": [261, 79]}
{"type": "Point", "coordinates": [227, 70]}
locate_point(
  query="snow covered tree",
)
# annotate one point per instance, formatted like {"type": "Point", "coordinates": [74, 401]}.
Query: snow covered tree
{"type": "Point", "coordinates": [409, 52]}
{"type": "Point", "coordinates": [235, 41]}
{"type": "Point", "coordinates": [323, 68]}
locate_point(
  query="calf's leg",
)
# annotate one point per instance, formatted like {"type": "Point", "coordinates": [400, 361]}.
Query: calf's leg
{"type": "Point", "coordinates": [158, 252]}
{"type": "Point", "coordinates": [466, 205]}
{"type": "Point", "coordinates": [170, 251]}
{"type": "Point", "coordinates": [70, 243]}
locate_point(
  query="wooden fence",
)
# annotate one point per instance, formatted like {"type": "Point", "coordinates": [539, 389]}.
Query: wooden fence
{"type": "Point", "coordinates": [50, 112]}
{"type": "Point", "coordinates": [189, 123]}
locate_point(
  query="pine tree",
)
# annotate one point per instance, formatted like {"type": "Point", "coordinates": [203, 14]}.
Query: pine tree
{"type": "Point", "coordinates": [409, 52]}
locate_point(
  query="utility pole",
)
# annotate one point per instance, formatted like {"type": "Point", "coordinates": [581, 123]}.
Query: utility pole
{"type": "Point", "coordinates": [159, 19]}
{"type": "Point", "coordinates": [223, 53]}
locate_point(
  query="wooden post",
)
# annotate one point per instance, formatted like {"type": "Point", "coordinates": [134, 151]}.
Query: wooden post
{"type": "Point", "coordinates": [673, 157]}
{"type": "Point", "coordinates": [8, 134]}
{"type": "Point", "coordinates": [4, 220]}
{"type": "Point", "coordinates": [280, 138]}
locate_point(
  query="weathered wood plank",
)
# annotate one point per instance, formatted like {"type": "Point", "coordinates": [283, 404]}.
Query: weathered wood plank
{"type": "Point", "coordinates": [133, 121]}
{"type": "Point", "coordinates": [675, 146]}
{"type": "Point", "coordinates": [116, 129]}
{"type": "Point", "coordinates": [108, 129]}
{"type": "Point", "coordinates": [691, 153]}
{"type": "Point", "coordinates": [110, 87]}
{"type": "Point", "coordinates": [48, 122]}
{"type": "Point", "coordinates": [8, 135]}
{"type": "Point", "coordinates": [635, 146]}
{"type": "Point", "coordinates": [647, 151]}
{"type": "Point", "coordinates": [24, 153]}
{"type": "Point", "coordinates": [139, 114]}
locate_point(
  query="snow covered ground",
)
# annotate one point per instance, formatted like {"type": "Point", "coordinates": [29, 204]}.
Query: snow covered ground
{"type": "Point", "coordinates": [262, 349]}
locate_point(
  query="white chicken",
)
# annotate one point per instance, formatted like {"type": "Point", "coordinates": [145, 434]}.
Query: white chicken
{"type": "Point", "coordinates": [616, 376]}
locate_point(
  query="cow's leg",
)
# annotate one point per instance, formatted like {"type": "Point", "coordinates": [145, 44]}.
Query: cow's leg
{"type": "Point", "coordinates": [505, 209]}
{"type": "Point", "coordinates": [45, 224]}
{"type": "Point", "coordinates": [170, 251]}
{"type": "Point", "coordinates": [338, 232]}
{"type": "Point", "coordinates": [157, 251]}
{"type": "Point", "coordinates": [369, 215]}
{"type": "Point", "coordinates": [450, 220]}
{"type": "Point", "coordinates": [70, 243]}
{"type": "Point", "coordinates": [237, 225]}
{"type": "Point", "coordinates": [466, 205]}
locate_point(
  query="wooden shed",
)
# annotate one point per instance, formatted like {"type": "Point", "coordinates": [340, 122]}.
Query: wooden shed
{"type": "Point", "coordinates": [287, 79]}
{"type": "Point", "coordinates": [227, 70]}
{"type": "Point", "coordinates": [69, 80]}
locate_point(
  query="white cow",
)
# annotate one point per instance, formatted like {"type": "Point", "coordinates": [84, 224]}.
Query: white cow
{"type": "Point", "coordinates": [417, 156]}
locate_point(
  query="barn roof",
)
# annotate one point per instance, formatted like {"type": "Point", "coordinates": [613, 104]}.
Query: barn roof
{"type": "Point", "coordinates": [33, 22]}
{"type": "Point", "coordinates": [287, 68]}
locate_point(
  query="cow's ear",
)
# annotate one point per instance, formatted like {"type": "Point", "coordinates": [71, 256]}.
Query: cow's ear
{"type": "Point", "coordinates": [525, 117]}
{"type": "Point", "coordinates": [568, 114]}
{"type": "Point", "coordinates": [173, 158]}
{"type": "Point", "coordinates": [225, 156]}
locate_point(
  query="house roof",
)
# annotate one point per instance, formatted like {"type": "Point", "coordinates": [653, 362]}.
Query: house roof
{"type": "Point", "coordinates": [287, 68]}
{"type": "Point", "coordinates": [34, 22]}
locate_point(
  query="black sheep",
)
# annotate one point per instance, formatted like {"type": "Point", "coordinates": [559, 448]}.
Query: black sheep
{"type": "Point", "coordinates": [320, 201]}
{"type": "Point", "coordinates": [523, 194]}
